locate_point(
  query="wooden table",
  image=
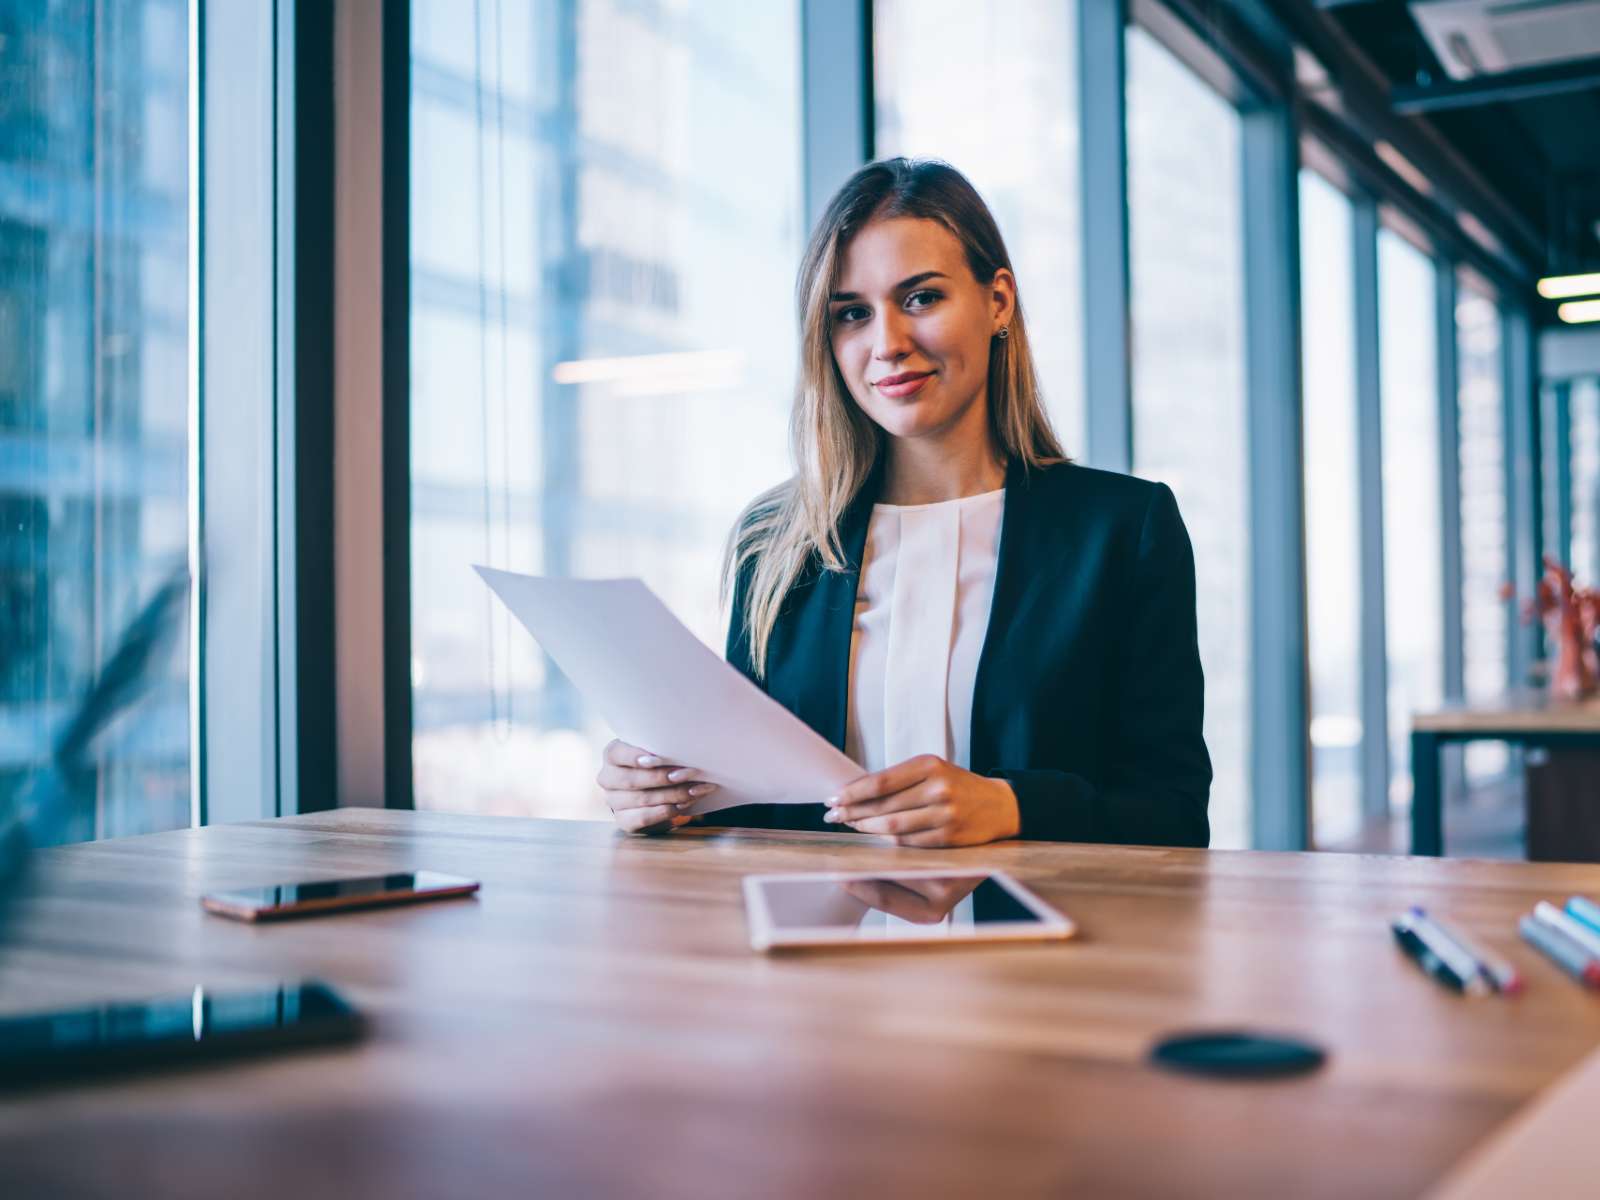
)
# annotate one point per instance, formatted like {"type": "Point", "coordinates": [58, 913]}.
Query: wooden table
{"type": "Point", "coordinates": [1528, 718]}
{"type": "Point", "coordinates": [594, 1024]}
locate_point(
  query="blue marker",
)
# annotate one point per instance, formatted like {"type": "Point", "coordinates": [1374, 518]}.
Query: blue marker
{"type": "Point", "coordinates": [1585, 910]}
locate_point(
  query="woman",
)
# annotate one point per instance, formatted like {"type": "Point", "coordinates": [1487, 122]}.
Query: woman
{"type": "Point", "coordinates": [1003, 639]}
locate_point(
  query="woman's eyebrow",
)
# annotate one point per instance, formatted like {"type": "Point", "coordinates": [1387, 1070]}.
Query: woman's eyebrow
{"type": "Point", "coordinates": [909, 282]}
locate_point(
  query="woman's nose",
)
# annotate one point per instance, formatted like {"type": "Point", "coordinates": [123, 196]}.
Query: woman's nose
{"type": "Point", "coordinates": [893, 340]}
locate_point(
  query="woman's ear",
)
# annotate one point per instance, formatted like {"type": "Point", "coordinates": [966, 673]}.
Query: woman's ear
{"type": "Point", "coordinates": [1003, 298]}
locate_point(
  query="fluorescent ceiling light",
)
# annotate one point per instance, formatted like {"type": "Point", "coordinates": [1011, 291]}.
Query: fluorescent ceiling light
{"type": "Point", "coordinates": [1559, 287]}
{"type": "Point", "coordinates": [657, 374]}
{"type": "Point", "coordinates": [1577, 312]}
{"type": "Point", "coordinates": [594, 370]}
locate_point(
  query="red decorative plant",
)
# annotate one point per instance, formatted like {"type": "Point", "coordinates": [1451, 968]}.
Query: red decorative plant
{"type": "Point", "coordinates": [1571, 617]}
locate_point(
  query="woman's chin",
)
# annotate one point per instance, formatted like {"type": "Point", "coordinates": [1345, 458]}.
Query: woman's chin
{"type": "Point", "coordinates": [911, 421]}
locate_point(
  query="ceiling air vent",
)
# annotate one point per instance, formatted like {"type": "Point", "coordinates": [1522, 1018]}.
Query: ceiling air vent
{"type": "Point", "coordinates": [1473, 38]}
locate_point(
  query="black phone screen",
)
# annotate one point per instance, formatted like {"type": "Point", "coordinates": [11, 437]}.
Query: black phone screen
{"type": "Point", "coordinates": [343, 893]}
{"type": "Point", "coordinates": [39, 1047]}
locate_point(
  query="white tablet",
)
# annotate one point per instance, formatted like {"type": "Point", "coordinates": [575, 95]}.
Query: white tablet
{"type": "Point", "coordinates": [877, 907]}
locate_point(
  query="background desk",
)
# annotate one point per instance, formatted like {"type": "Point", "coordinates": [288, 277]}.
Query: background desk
{"type": "Point", "coordinates": [595, 1024]}
{"type": "Point", "coordinates": [1524, 718]}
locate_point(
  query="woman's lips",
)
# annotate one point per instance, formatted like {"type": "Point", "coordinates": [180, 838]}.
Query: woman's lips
{"type": "Point", "coordinates": [907, 385]}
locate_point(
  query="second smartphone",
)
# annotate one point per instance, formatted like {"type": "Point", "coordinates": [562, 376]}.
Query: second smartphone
{"type": "Point", "coordinates": [299, 899]}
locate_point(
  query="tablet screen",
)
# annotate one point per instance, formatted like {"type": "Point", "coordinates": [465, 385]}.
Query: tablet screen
{"type": "Point", "coordinates": [894, 906]}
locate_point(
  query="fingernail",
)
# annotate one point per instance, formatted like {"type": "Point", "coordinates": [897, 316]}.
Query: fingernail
{"type": "Point", "coordinates": [648, 760]}
{"type": "Point", "coordinates": [701, 789]}
{"type": "Point", "coordinates": [831, 801]}
{"type": "Point", "coordinates": [680, 774]}
{"type": "Point", "coordinates": [832, 816]}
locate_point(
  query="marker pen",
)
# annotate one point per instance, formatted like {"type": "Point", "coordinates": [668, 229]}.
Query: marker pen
{"type": "Point", "coordinates": [1569, 955]}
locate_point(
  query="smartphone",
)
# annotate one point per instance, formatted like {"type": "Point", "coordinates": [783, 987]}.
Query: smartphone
{"type": "Point", "coordinates": [298, 899]}
{"type": "Point", "coordinates": [44, 1047]}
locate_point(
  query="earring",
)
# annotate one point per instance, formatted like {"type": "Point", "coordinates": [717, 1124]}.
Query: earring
{"type": "Point", "coordinates": [1005, 332]}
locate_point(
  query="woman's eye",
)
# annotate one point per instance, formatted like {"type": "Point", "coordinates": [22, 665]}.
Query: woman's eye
{"type": "Point", "coordinates": [848, 315]}
{"type": "Point", "coordinates": [922, 299]}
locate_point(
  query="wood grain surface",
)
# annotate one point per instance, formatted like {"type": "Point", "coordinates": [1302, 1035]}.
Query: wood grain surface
{"type": "Point", "coordinates": [1516, 712]}
{"type": "Point", "coordinates": [595, 1024]}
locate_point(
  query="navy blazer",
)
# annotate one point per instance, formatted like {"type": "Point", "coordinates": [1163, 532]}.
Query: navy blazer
{"type": "Point", "coordinates": [1088, 696]}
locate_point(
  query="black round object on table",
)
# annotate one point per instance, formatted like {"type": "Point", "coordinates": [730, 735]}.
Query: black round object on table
{"type": "Point", "coordinates": [1236, 1054]}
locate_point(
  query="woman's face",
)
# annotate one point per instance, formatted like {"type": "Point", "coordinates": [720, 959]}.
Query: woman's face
{"type": "Point", "coordinates": [911, 328]}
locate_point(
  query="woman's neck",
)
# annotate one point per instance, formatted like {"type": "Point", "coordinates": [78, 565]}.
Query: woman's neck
{"type": "Point", "coordinates": [929, 470]}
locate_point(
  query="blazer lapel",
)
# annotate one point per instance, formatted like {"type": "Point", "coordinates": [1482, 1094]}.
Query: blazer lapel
{"type": "Point", "coordinates": [1010, 580]}
{"type": "Point", "coordinates": [825, 620]}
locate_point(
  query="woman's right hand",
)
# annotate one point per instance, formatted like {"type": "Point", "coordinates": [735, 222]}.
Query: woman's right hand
{"type": "Point", "coordinates": [645, 793]}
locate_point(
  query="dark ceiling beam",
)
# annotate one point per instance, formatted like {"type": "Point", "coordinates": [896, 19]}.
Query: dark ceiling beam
{"type": "Point", "coordinates": [1409, 99]}
{"type": "Point", "coordinates": [1361, 101]}
{"type": "Point", "coordinates": [1248, 70]}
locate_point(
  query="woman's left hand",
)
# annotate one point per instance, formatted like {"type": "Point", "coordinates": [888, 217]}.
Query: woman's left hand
{"type": "Point", "coordinates": [926, 801]}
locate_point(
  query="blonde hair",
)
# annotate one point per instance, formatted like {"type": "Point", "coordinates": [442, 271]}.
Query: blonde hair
{"type": "Point", "coordinates": [834, 444]}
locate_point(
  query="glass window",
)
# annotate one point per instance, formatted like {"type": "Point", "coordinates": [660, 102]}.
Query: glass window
{"type": "Point", "coordinates": [1184, 210]}
{"type": "Point", "coordinates": [1332, 499]}
{"type": "Point", "coordinates": [1412, 533]}
{"type": "Point", "coordinates": [1584, 417]}
{"type": "Point", "coordinates": [605, 225]}
{"type": "Point", "coordinates": [1481, 417]}
{"type": "Point", "coordinates": [1012, 128]}
{"type": "Point", "coordinates": [93, 397]}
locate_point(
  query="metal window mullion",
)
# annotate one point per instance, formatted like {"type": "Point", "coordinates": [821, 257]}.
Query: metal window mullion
{"type": "Point", "coordinates": [1369, 454]}
{"type": "Point", "coordinates": [1103, 193]}
{"type": "Point", "coordinates": [1279, 664]}
{"type": "Point", "coordinates": [364, 579]}
{"type": "Point", "coordinates": [237, 365]}
{"type": "Point", "coordinates": [395, 190]}
{"type": "Point", "coordinates": [196, 425]}
{"type": "Point", "coordinates": [835, 96]}
{"type": "Point", "coordinates": [1448, 375]}
{"type": "Point", "coordinates": [1559, 460]}
{"type": "Point", "coordinates": [1522, 523]}
{"type": "Point", "coordinates": [304, 320]}
{"type": "Point", "coordinates": [285, 539]}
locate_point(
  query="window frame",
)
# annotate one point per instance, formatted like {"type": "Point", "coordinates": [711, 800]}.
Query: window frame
{"type": "Point", "coordinates": [261, 177]}
{"type": "Point", "coordinates": [1251, 57]}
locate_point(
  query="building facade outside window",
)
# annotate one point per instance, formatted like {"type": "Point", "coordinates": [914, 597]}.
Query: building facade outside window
{"type": "Point", "coordinates": [1412, 533]}
{"type": "Point", "coordinates": [1186, 249]}
{"type": "Point", "coordinates": [1332, 507]}
{"type": "Point", "coordinates": [93, 395]}
{"type": "Point", "coordinates": [606, 222]}
{"type": "Point", "coordinates": [1012, 128]}
{"type": "Point", "coordinates": [1584, 415]}
{"type": "Point", "coordinates": [1481, 419]}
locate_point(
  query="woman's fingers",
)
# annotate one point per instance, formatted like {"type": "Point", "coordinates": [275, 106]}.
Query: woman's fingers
{"type": "Point", "coordinates": [890, 780]}
{"type": "Point", "coordinates": [620, 754]}
{"type": "Point", "coordinates": [613, 778]}
{"type": "Point", "coordinates": [847, 812]}
{"type": "Point", "coordinates": [681, 796]}
{"type": "Point", "coordinates": [906, 821]}
{"type": "Point", "coordinates": [646, 794]}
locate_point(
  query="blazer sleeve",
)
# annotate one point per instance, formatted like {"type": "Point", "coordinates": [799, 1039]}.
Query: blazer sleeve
{"type": "Point", "coordinates": [738, 648]}
{"type": "Point", "coordinates": [755, 816]}
{"type": "Point", "coordinates": [1158, 780]}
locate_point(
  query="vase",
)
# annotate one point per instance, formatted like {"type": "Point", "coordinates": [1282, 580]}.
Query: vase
{"type": "Point", "coordinates": [1576, 664]}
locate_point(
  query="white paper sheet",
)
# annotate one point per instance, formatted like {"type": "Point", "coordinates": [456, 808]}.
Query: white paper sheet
{"type": "Point", "coordinates": [662, 688]}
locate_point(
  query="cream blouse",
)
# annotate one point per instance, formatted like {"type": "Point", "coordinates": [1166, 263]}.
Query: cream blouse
{"type": "Point", "coordinates": [922, 609]}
